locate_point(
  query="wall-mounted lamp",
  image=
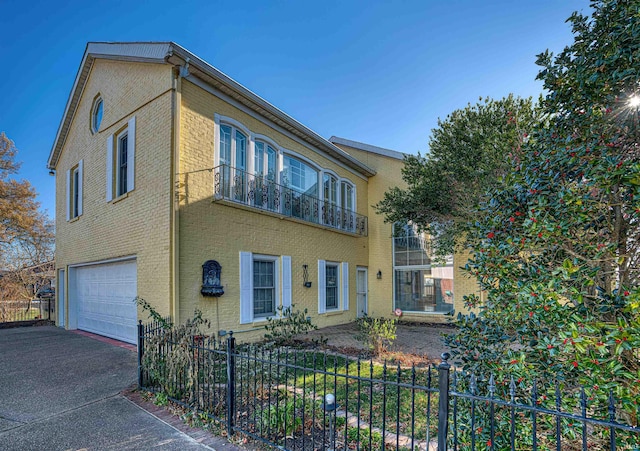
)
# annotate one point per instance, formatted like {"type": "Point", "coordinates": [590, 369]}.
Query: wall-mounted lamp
{"type": "Point", "coordinates": [379, 275]}
{"type": "Point", "coordinates": [305, 276]}
{"type": "Point", "coordinates": [52, 172]}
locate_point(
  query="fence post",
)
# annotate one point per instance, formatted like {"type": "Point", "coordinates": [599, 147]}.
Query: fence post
{"type": "Point", "coordinates": [140, 351]}
{"type": "Point", "coordinates": [231, 383]}
{"type": "Point", "coordinates": [443, 402]}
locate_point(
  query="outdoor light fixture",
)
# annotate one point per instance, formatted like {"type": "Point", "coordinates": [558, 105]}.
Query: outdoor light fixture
{"type": "Point", "coordinates": [305, 276]}
{"type": "Point", "coordinates": [379, 275]}
{"type": "Point", "coordinates": [329, 405]}
{"type": "Point", "coordinates": [52, 172]}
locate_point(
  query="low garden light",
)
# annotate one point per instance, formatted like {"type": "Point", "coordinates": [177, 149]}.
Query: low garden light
{"type": "Point", "coordinates": [329, 405]}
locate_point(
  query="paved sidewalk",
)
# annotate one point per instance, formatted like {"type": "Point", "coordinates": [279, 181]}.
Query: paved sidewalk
{"type": "Point", "coordinates": [62, 391]}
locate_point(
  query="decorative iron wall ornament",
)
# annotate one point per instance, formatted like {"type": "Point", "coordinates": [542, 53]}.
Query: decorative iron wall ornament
{"type": "Point", "coordinates": [211, 271]}
{"type": "Point", "coordinates": [305, 276]}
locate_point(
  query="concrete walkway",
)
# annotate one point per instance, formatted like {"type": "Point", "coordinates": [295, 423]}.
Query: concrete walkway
{"type": "Point", "coordinates": [62, 391]}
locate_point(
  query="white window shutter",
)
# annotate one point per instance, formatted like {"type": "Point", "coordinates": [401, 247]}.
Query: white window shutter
{"type": "Point", "coordinates": [109, 168]}
{"type": "Point", "coordinates": [286, 281]}
{"type": "Point", "coordinates": [322, 288]}
{"type": "Point", "coordinates": [80, 183]}
{"type": "Point", "coordinates": [131, 154]}
{"type": "Point", "coordinates": [345, 286]}
{"type": "Point", "coordinates": [69, 197]}
{"type": "Point", "coordinates": [246, 288]}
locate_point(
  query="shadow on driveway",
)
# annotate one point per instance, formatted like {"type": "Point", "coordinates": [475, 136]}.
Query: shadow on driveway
{"type": "Point", "coordinates": [60, 391]}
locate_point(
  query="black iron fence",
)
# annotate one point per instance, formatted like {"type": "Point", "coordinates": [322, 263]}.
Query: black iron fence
{"type": "Point", "coordinates": [26, 311]}
{"type": "Point", "coordinates": [262, 192]}
{"type": "Point", "coordinates": [308, 400]}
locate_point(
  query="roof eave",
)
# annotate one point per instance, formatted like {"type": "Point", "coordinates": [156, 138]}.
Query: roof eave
{"type": "Point", "coordinates": [155, 53]}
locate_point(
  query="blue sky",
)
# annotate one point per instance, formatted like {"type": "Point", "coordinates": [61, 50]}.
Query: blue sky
{"type": "Point", "coordinates": [379, 72]}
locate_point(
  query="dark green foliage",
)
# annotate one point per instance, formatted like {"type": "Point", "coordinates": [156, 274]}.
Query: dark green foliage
{"type": "Point", "coordinates": [468, 153]}
{"type": "Point", "coordinates": [556, 243]}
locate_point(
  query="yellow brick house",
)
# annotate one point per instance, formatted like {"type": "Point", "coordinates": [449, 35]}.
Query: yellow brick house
{"type": "Point", "coordinates": [164, 165]}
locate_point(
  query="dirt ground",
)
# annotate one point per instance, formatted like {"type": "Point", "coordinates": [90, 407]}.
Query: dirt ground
{"type": "Point", "coordinates": [424, 340]}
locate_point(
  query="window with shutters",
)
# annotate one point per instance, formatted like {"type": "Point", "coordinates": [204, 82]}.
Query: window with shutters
{"type": "Point", "coordinates": [332, 286]}
{"type": "Point", "coordinates": [121, 161]}
{"type": "Point", "coordinates": [74, 191]}
{"type": "Point", "coordinates": [264, 287]}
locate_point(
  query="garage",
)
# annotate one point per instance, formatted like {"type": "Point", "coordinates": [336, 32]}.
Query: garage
{"type": "Point", "coordinates": [103, 295]}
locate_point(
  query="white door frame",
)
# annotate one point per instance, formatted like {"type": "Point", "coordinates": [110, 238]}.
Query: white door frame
{"type": "Point", "coordinates": [60, 291]}
{"type": "Point", "coordinates": [362, 291]}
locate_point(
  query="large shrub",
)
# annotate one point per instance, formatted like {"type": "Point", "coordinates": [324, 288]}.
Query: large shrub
{"type": "Point", "coordinates": [556, 246]}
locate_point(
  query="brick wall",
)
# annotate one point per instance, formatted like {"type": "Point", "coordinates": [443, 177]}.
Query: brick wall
{"type": "Point", "coordinates": [138, 224]}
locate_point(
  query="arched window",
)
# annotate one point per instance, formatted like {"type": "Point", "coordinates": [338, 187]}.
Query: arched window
{"type": "Point", "coordinates": [96, 114]}
{"type": "Point", "coordinates": [233, 159]}
{"type": "Point", "coordinates": [265, 161]}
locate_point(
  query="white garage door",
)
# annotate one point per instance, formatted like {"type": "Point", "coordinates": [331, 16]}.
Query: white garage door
{"type": "Point", "coordinates": [105, 296]}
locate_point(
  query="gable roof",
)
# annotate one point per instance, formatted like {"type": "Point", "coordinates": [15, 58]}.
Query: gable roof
{"type": "Point", "coordinates": [172, 53]}
{"type": "Point", "coordinates": [367, 147]}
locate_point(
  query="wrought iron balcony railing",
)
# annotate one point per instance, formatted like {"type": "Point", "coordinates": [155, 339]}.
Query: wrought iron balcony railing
{"type": "Point", "coordinates": [259, 191]}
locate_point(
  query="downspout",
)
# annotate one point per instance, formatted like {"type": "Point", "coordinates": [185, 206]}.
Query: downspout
{"type": "Point", "coordinates": [176, 100]}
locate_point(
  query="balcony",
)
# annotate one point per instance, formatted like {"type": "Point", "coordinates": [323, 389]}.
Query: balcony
{"type": "Point", "coordinates": [259, 192]}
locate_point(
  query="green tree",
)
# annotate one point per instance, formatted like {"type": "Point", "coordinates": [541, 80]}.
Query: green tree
{"type": "Point", "coordinates": [469, 152]}
{"type": "Point", "coordinates": [556, 244]}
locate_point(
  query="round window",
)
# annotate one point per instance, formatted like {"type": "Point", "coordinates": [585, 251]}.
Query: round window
{"type": "Point", "coordinates": [96, 117]}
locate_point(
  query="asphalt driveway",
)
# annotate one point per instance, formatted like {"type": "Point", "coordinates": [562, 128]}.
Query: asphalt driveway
{"type": "Point", "coordinates": [61, 391]}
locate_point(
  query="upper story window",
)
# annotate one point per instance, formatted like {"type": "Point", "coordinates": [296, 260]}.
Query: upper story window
{"type": "Point", "coordinates": [265, 161]}
{"type": "Point", "coordinates": [233, 147]}
{"type": "Point", "coordinates": [121, 164]}
{"type": "Point", "coordinates": [74, 191]}
{"type": "Point", "coordinates": [330, 188]}
{"type": "Point", "coordinates": [299, 176]}
{"type": "Point", "coordinates": [96, 114]}
{"type": "Point", "coordinates": [253, 170]}
{"type": "Point", "coordinates": [121, 161]}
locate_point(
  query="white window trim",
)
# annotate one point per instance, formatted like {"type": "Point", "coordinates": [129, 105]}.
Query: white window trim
{"type": "Point", "coordinates": [71, 191]}
{"type": "Point", "coordinates": [112, 156]}
{"type": "Point", "coordinates": [408, 268]}
{"type": "Point", "coordinates": [277, 300]}
{"type": "Point", "coordinates": [98, 99]}
{"type": "Point", "coordinates": [282, 280]}
{"type": "Point", "coordinates": [281, 154]}
{"type": "Point", "coordinates": [342, 285]}
{"type": "Point", "coordinates": [235, 125]}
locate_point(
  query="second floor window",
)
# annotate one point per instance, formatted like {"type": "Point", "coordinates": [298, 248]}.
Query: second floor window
{"type": "Point", "coordinates": [121, 161]}
{"type": "Point", "coordinates": [122, 165]}
{"type": "Point", "coordinates": [74, 191]}
{"type": "Point", "coordinates": [299, 176]}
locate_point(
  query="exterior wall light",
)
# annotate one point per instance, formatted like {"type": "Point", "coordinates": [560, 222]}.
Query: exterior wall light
{"type": "Point", "coordinates": [305, 276]}
{"type": "Point", "coordinates": [379, 275]}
